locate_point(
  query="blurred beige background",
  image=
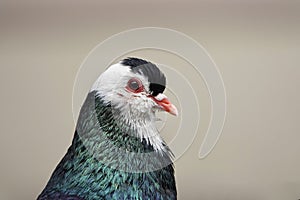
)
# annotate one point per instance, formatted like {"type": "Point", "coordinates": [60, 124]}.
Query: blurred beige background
{"type": "Point", "coordinates": [254, 43]}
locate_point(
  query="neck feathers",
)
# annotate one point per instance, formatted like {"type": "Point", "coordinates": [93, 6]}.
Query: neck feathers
{"type": "Point", "coordinates": [106, 138]}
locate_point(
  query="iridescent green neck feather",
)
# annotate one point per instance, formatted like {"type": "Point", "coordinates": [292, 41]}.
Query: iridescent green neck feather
{"type": "Point", "coordinates": [108, 161]}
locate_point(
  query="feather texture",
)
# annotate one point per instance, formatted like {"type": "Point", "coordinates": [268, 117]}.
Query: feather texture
{"type": "Point", "coordinates": [106, 161]}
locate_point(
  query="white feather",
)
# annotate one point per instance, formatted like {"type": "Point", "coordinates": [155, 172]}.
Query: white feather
{"type": "Point", "coordinates": [135, 110]}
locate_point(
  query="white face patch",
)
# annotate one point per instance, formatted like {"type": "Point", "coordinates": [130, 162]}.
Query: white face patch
{"type": "Point", "coordinates": [135, 110]}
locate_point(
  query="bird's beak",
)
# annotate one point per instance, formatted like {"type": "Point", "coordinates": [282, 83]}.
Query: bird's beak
{"type": "Point", "coordinates": [163, 102]}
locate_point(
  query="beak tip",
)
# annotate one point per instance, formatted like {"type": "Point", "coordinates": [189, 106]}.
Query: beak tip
{"type": "Point", "coordinates": [174, 111]}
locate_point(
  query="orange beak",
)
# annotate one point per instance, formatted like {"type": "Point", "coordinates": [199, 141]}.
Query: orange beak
{"type": "Point", "coordinates": [165, 104]}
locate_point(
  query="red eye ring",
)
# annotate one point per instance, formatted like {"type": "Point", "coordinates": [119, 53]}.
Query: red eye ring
{"type": "Point", "coordinates": [135, 85]}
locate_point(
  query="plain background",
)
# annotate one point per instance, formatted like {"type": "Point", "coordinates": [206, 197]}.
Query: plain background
{"type": "Point", "coordinates": [254, 43]}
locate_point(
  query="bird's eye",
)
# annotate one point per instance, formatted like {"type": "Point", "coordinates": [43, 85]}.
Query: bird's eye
{"type": "Point", "coordinates": [135, 85]}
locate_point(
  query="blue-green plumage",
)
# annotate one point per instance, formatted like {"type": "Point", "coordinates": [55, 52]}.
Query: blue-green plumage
{"type": "Point", "coordinates": [107, 161]}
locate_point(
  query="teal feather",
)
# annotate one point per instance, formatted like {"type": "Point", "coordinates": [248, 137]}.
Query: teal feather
{"type": "Point", "coordinates": [93, 168]}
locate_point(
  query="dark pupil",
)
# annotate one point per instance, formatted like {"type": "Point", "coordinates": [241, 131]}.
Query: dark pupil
{"type": "Point", "coordinates": [134, 85]}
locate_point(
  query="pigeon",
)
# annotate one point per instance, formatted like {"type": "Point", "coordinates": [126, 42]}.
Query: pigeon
{"type": "Point", "coordinates": [116, 151]}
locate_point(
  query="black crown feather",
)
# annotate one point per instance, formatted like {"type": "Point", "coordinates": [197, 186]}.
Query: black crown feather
{"type": "Point", "coordinates": [155, 77]}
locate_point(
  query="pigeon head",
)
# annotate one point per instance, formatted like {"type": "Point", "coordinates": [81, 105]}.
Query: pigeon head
{"type": "Point", "coordinates": [137, 83]}
{"type": "Point", "coordinates": [134, 89]}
